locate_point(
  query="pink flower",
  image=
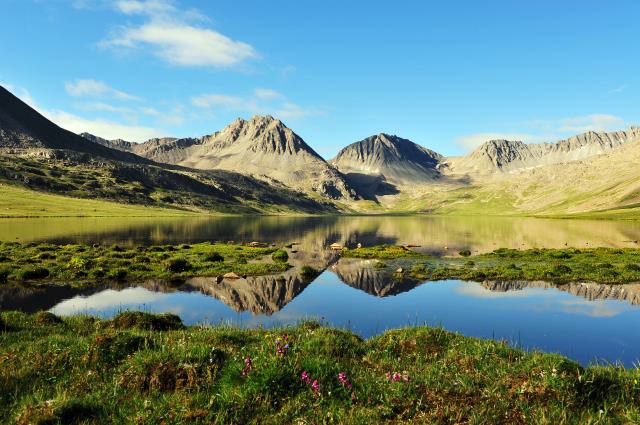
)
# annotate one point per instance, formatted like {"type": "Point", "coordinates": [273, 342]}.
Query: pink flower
{"type": "Point", "coordinates": [342, 377]}
{"type": "Point", "coordinates": [305, 378]}
{"type": "Point", "coordinates": [397, 376]}
{"type": "Point", "coordinates": [315, 386]}
{"type": "Point", "coordinates": [248, 365]}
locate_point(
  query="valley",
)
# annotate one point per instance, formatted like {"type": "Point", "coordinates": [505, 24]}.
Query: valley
{"type": "Point", "coordinates": [260, 166]}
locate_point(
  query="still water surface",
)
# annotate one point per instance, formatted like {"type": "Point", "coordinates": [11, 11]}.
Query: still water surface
{"type": "Point", "coordinates": [587, 322]}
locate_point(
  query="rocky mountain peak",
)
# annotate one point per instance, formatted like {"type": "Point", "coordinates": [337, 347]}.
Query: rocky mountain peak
{"type": "Point", "coordinates": [397, 159]}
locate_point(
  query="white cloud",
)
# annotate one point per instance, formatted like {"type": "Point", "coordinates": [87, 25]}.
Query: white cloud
{"type": "Point", "coordinates": [21, 93]}
{"type": "Point", "coordinates": [98, 126]}
{"type": "Point", "coordinates": [96, 89]}
{"type": "Point", "coordinates": [262, 101]}
{"type": "Point", "coordinates": [595, 122]}
{"type": "Point", "coordinates": [101, 127]}
{"type": "Point", "coordinates": [105, 107]}
{"type": "Point", "coordinates": [548, 130]}
{"type": "Point", "coordinates": [222, 100]}
{"type": "Point", "coordinates": [171, 36]}
{"type": "Point", "coordinates": [267, 94]}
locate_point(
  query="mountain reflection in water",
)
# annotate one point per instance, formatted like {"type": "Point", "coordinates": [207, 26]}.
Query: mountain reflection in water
{"type": "Point", "coordinates": [585, 321]}
{"type": "Point", "coordinates": [433, 234]}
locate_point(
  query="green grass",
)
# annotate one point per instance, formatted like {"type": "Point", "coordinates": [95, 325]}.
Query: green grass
{"type": "Point", "coordinates": [84, 265]}
{"type": "Point", "coordinates": [601, 265]}
{"type": "Point", "coordinates": [382, 252]}
{"type": "Point", "coordinates": [146, 369]}
{"type": "Point", "coordinates": [18, 202]}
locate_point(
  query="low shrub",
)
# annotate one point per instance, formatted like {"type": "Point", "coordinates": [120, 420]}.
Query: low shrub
{"type": "Point", "coordinates": [280, 256]}
{"type": "Point", "coordinates": [33, 273]}
{"type": "Point", "coordinates": [114, 347]}
{"type": "Point", "coordinates": [167, 372]}
{"type": "Point", "coordinates": [630, 267]}
{"type": "Point", "coordinates": [46, 318]}
{"type": "Point", "coordinates": [308, 271]}
{"type": "Point", "coordinates": [146, 321]}
{"type": "Point", "coordinates": [118, 274]}
{"type": "Point", "coordinates": [213, 257]}
{"type": "Point", "coordinates": [177, 265]}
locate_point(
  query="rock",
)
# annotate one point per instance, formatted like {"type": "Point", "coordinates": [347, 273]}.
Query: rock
{"type": "Point", "coordinates": [231, 275]}
{"type": "Point", "coordinates": [336, 246]}
{"type": "Point", "coordinates": [359, 245]}
{"type": "Point", "coordinates": [399, 270]}
{"type": "Point", "coordinates": [257, 245]}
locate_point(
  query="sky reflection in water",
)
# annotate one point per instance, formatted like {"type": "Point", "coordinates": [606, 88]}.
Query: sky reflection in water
{"type": "Point", "coordinates": [547, 319]}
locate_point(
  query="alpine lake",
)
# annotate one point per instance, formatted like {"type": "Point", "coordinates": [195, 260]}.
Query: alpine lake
{"type": "Point", "coordinates": [588, 322]}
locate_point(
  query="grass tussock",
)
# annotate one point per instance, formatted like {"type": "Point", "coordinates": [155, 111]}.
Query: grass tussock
{"type": "Point", "coordinates": [87, 370]}
{"type": "Point", "coordinates": [40, 264]}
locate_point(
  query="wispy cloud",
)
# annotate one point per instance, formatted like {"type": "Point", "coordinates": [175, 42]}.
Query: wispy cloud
{"type": "Point", "coordinates": [547, 130]}
{"type": "Point", "coordinates": [261, 101]}
{"type": "Point", "coordinates": [618, 89]}
{"type": "Point", "coordinates": [596, 122]}
{"type": "Point", "coordinates": [102, 127]}
{"type": "Point", "coordinates": [108, 129]}
{"type": "Point", "coordinates": [96, 89]}
{"type": "Point", "coordinates": [173, 35]}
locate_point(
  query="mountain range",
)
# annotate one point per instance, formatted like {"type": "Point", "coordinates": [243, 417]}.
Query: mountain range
{"type": "Point", "coordinates": [260, 165]}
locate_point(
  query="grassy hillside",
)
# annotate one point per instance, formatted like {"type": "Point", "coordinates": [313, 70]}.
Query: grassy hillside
{"type": "Point", "coordinates": [83, 176]}
{"type": "Point", "coordinates": [19, 202]}
{"type": "Point", "coordinates": [147, 369]}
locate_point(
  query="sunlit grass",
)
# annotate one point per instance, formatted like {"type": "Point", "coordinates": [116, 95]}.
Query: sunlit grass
{"type": "Point", "coordinates": [149, 369]}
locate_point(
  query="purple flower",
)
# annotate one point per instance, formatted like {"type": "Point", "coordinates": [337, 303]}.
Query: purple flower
{"type": "Point", "coordinates": [305, 377]}
{"type": "Point", "coordinates": [315, 386]}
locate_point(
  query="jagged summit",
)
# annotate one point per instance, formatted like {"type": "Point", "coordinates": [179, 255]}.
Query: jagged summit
{"type": "Point", "coordinates": [398, 160]}
{"type": "Point", "coordinates": [505, 155]}
{"type": "Point", "coordinates": [261, 146]}
{"type": "Point", "coordinates": [264, 134]}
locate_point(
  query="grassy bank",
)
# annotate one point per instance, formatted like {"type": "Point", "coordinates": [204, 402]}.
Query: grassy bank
{"type": "Point", "coordinates": [84, 265]}
{"type": "Point", "coordinates": [139, 368]}
{"type": "Point", "coordinates": [601, 265]}
{"type": "Point", "coordinates": [20, 202]}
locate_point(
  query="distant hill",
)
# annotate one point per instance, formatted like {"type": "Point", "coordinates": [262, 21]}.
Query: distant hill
{"type": "Point", "coordinates": [504, 155]}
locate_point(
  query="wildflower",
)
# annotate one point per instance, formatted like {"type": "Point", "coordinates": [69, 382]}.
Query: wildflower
{"type": "Point", "coordinates": [281, 349]}
{"type": "Point", "coordinates": [315, 386]}
{"type": "Point", "coordinates": [305, 378]}
{"type": "Point", "coordinates": [397, 376]}
{"type": "Point", "coordinates": [248, 365]}
{"type": "Point", "coordinates": [342, 377]}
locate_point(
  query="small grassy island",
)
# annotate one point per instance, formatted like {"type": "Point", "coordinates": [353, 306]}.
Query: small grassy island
{"type": "Point", "coordinates": [143, 368]}
{"type": "Point", "coordinates": [601, 265]}
{"type": "Point", "coordinates": [83, 265]}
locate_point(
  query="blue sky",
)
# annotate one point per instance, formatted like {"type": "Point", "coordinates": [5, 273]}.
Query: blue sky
{"type": "Point", "coordinates": [447, 74]}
